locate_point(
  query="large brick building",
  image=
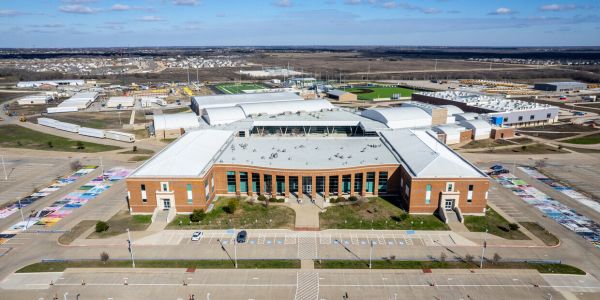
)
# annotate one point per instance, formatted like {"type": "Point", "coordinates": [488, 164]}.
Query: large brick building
{"type": "Point", "coordinates": [409, 164]}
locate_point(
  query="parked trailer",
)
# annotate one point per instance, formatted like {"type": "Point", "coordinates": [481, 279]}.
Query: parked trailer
{"type": "Point", "coordinates": [97, 133]}
{"type": "Point", "coordinates": [67, 127]}
{"type": "Point", "coordinates": [47, 122]}
{"type": "Point", "coordinates": [54, 110]}
{"type": "Point", "coordinates": [120, 136]}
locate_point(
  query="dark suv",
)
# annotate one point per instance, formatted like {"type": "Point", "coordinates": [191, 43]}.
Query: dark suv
{"type": "Point", "coordinates": [241, 236]}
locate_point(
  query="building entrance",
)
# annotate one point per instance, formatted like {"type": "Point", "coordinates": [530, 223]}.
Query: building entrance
{"type": "Point", "coordinates": [449, 204]}
{"type": "Point", "coordinates": [307, 185]}
{"type": "Point", "coordinates": [166, 204]}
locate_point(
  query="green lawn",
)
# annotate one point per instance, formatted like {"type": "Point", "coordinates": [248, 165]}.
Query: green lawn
{"type": "Point", "coordinates": [122, 220]}
{"type": "Point", "coordinates": [495, 224]}
{"type": "Point", "coordinates": [77, 230]}
{"type": "Point", "coordinates": [398, 264]}
{"type": "Point", "coordinates": [585, 140]}
{"type": "Point", "coordinates": [376, 213]}
{"type": "Point", "coordinates": [536, 148]}
{"type": "Point", "coordinates": [233, 88]}
{"type": "Point", "coordinates": [540, 232]}
{"type": "Point", "coordinates": [248, 216]}
{"type": "Point", "coordinates": [373, 92]}
{"type": "Point", "coordinates": [14, 136]}
{"type": "Point", "coordinates": [60, 266]}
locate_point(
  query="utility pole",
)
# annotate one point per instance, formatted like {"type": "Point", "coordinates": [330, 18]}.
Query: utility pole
{"type": "Point", "coordinates": [4, 167]}
{"type": "Point", "coordinates": [235, 251]}
{"type": "Point", "coordinates": [21, 211]}
{"type": "Point", "coordinates": [102, 168]}
{"type": "Point", "coordinates": [483, 249]}
{"type": "Point", "coordinates": [129, 243]}
{"type": "Point", "coordinates": [371, 254]}
{"type": "Point", "coordinates": [188, 74]}
{"type": "Point", "coordinates": [197, 78]}
{"type": "Point", "coordinates": [435, 68]}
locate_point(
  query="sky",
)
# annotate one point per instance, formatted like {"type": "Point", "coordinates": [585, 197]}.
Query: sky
{"type": "Point", "coordinates": [105, 23]}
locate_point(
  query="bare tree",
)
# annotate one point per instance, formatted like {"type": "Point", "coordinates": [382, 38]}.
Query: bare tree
{"type": "Point", "coordinates": [469, 258]}
{"type": "Point", "coordinates": [104, 257]}
{"type": "Point", "coordinates": [497, 258]}
{"type": "Point", "coordinates": [75, 165]}
{"type": "Point", "coordinates": [443, 257]}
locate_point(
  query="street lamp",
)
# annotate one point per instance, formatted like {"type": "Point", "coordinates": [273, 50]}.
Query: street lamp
{"type": "Point", "coordinates": [21, 211]}
{"type": "Point", "coordinates": [4, 167]}
{"type": "Point", "coordinates": [483, 249]}
{"type": "Point", "coordinates": [371, 254]}
{"type": "Point", "coordinates": [129, 244]}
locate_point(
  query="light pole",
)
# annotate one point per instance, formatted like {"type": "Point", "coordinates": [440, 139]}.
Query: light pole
{"type": "Point", "coordinates": [102, 168]}
{"type": "Point", "coordinates": [371, 254]}
{"type": "Point", "coordinates": [21, 211]}
{"type": "Point", "coordinates": [235, 252]}
{"type": "Point", "coordinates": [4, 167]}
{"type": "Point", "coordinates": [129, 243]}
{"type": "Point", "coordinates": [483, 249]}
{"type": "Point", "coordinates": [65, 295]}
{"type": "Point", "coordinates": [549, 294]}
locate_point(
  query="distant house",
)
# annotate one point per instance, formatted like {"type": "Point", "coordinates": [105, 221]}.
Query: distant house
{"type": "Point", "coordinates": [341, 95]}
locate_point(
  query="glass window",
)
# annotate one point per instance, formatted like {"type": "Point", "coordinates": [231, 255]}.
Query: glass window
{"type": "Point", "coordinates": [165, 187]}
{"type": "Point", "coordinates": [358, 178]}
{"type": "Point", "coordinates": [470, 194]}
{"type": "Point", "coordinates": [189, 193]}
{"type": "Point", "coordinates": [268, 181]}
{"type": "Point", "coordinates": [370, 182]}
{"type": "Point", "coordinates": [244, 182]}
{"type": "Point", "coordinates": [144, 197]}
{"type": "Point", "coordinates": [382, 182]}
{"type": "Point", "coordinates": [256, 182]}
{"type": "Point", "coordinates": [230, 181]}
{"type": "Point", "coordinates": [531, 117]}
{"type": "Point", "coordinates": [333, 185]}
{"type": "Point", "coordinates": [280, 184]}
{"type": "Point", "coordinates": [520, 118]}
{"type": "Point", "coordinates": [346, 184]}
{"type": "Point", "coordinates": [428, 194]}
{"type": "Point", "coordinates": [548, 116]}
{"type": "Point", "coordinates": [449, 187]}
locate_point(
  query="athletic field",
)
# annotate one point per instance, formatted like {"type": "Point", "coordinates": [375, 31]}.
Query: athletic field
{"type": "Point", "coordinates": [239, 88]}
{"type": "Point", "coordinates": [374, 92]}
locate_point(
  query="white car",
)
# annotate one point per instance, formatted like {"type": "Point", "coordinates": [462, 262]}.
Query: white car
{"type": "Point", "coordinates": [197, 235]}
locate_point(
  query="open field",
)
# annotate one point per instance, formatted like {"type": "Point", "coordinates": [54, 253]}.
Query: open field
{"type": "Point", "coordinates": [247, 215]}
{"type": "Point", "coordinates": [552, 135]}
{"type": "Point", "coordinates": [530, 149]}
{"type": "Point", "coordinates": [7, 96]}
{"type": "Point", "coordinates": [140, 263]}
{"type": "Point", "coordinates": [374, 92]}
{"type": "Point", "coordinates": [487, 143]}
{"type": "Point", "coordinates": [376, 213]}
{"type": "Point", "coordinates": [122, 220]}
{"type": "Point", "coordinates": [585, 140]}
{"type": "Point", "coordinates": [560, 128]}
{"type": "Point", "coordinates": [99, 120]}
{"type": "Point", "coordinates": [14, 136]}
{"type": "Point", "coordinates": [495, 224]}
{"type": "Point", "coordinates": [237, 88]}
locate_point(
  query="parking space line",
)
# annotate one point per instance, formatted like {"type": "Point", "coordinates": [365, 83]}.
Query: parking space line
{"type": "Point", "coordinates": [325, 239]}
{"type": "Point", "coordinates": [354, 239]}
{"type": "Point", "coordinates": [261, 239]}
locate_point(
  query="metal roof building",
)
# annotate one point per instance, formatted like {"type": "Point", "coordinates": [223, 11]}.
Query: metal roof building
{"type": "Point", "coordinates": [481, 129]}
{"type": "Point", "coordinates": [452, 132]}
{"type": "Point", "coordinates": [560, 86]}
{"type": "Point", "coordinates": [175, 121]}
{"type": "Point", "coordinates": [200, 103]}
{"type": "Point", "coordinates": [399, 117]}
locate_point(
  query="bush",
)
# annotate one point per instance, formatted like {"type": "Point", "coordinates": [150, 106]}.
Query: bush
{"type": "Point", "coordinates": [469, 258]}
{"type": "Point", "coordinates": [353, 198]}
{"type": "Point", "coordinates": [134, 148]}
{"type": "Point", "coordinates": [272, 199]}
{"type": "Point", "coordinates": [197, 215]}
{"type": "Point", "coordinates": [513, 226]}
{"type": "Point", "coordinates": [50, 145]}
{"type": "Point", "coordinates": [104, 257]}
{"type": "Point", "coordinates": [497, 258]}
{"type": "Point", "coordinates": [80, 145]}
{"type": "Point", "coordinates": [101, 226]}
{"type": "Point", "coordinates": [261, 198]}
{"type": "Point", "coordinates": [341, 199]}
{"type": "Point", "coordinates": [75, 165]}
{"type": "Point", "coordinates": [334, 200]}
{"type": "Point", "coordinates": [232, 206]}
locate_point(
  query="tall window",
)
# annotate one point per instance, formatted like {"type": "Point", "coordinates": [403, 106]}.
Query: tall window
{"type": "Point", "coordinates": [450, 187]}
{"type": "Point", "coordinates": [256, 183]}
{"type": "Point", "coordinates": [382, 182]}
{"type": "Point", "coordinates": [244, 182]}
{"type": "Point", "coordinates": [280, 184]}
{"type": "Point", "coordinates": [144, 196]}
{"type": "Point", "coordinates": [358, 177]}
{"type": "Point", "coordinates": [231, 181]}
{"type": "Point", "coordinates": [346, 184]}
{"type": "Point", "coordinates": [164, 186]}
{"type": "Point", "coordinates": [370, 182]}
{"type": "Point", "coordinates": [206, 191]}
{"type": "Point", "coordinates": [268, 181]}
{"type": "Point", "coordinates": [190, 197]}
{"type": "Point", "coordinates": [428, 194]}
{"type": "Point", "coordinates": [470, 194]}
{"type": "Point", "coordinates": [333, 185]}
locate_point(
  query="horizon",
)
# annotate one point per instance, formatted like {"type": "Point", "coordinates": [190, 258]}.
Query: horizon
{"type": "Point", "coordinates": [57, 24]}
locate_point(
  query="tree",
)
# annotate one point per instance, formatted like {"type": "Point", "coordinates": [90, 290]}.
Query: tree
{"type": "Point", "coordinates": [80, 145]}
{"type": "Point", "coordinates": [497, 258]}
{"type": "Point", "coordinates": [135, 149]}
{"type": "Point", "coordinates": [75, 165]}
{"type": "Point", "coordinates": [50, 144]}
{"type": "Point", "coordinates": [513, 226]}
{"type": "Point", "coordinates": [101, 226]}
{"type": "Point", "coordinates": [197, 215]}
{"type": "Point", "coordinates": [469, 258]}
{"type": "Point", "coordinates": [104, 257]}
{"type": "Point", "coordinates": [232, 206]}
{"type": "Point", "coordinates": [443, 257]}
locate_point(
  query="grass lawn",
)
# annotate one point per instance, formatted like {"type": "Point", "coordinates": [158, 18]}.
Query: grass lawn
{"type": "Point", "coordinates": [119, 223]}
{"type": "Point", "coordinates": [376, 213]}
{"type": "Point", "coordinates": [60, 266]}
{"type": "Point", "coordinates": [582, 150]}
{"type": "Point", "coordinates": [100, 120]}
{"type": "Point", "coordinates": [77, 230]}
{"type": "Point", "coordinates": [178, 110]}
{"type": "Point", "coordinates": [495, 224]}
{"type": "Point", "coordinates": [234, 88]}
{"type": "Point", "coordinates": [140, 158]}
{"type": "Point", "coordinates": [248, 216]}
{"type": "Point", "coordinates": [486, 144]}
{"type": "Point", "coordinates": [138, 151]}
{"type": "Point", "coordinates": [548, 238]}
{"type": "Point", "coordinates": [373, 92]}
{"type": "Point", "coordinates": [398, 264]}
{"type": "Point", "coordinates": [14, 136]}
{"type": "Point", "coordinates": [536, 148]}
{"type": "Point", "coordinates": [585, 140]}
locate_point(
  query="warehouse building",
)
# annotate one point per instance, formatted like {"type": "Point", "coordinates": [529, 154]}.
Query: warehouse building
{"type": "Point", "coordinates": [120, 102]}
{"type": "Point", "coordinates": [34, 100]}
{"type": "Point", "coordinates": [343, 96]}
{"type": "Point", "coordinates": [499, 111]}
{"type": "Point", "coordinates": [359, 156]}
{"type": "Point", "coordinates": [36, 84]}
{"type": "Point", "coordinates": [452, 133]}
{"type": "Point", "coordinates": [168, 126]}
{"type": "Point", "coordinates": [199, 103]}
{"type": "Point", "coordinates": [77, 102]}
{"type": "Point", "coordinates": [561, 86]}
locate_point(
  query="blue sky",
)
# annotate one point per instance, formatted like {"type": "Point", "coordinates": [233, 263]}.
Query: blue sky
{"type": "Point", "coordinates": [105, 23]}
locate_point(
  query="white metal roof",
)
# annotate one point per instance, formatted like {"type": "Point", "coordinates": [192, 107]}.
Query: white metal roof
{"type": "Point", "coordinates": [235, 99]}
{"type": "Point", "coordinates": [425, 156]}
{"type": "Point", "coordinates": [466, 116]}
{"type": "Point", "coordinates": [274, 108]}
{"type": "Point", "coordinates": [449, 129]}
{"type": "Point", "coordinates": [452, 109]}
{"type": "Point", "coordinates": [479, 125]}
{"type": "Point", "coordinates": [189, 156]}
{"type": "Point", "coordinates": [223, 115]}
{"type": "Point", "coordinates": [175, 121]}
{"type": "Point", "coordinates": [124, 101]}
{"type": "Point", "coordinates": [399, 117]}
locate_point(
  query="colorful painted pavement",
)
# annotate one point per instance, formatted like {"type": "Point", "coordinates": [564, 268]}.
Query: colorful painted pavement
{"type": "Point", "coordinates": [555, 210]}
{"type": "Point", "coordinates": [55, 186]}
{"type": "Point", "coordinates": [50, 215]}
{"type": "Point", "coordinates": [568, 191]}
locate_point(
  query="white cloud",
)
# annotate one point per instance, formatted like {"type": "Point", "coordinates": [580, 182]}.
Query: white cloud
{"type": "Point", "coordinates": [124, 7]}
{"type": "Point", "coordinates": [78, 9]}
{"type": "Point", "coordinates": [283, 3]}
{"type": "Point", "coordinates": [150, 19]}
{"type": "Point", "coordinates": [502, 11]}
{"type": "Point", "coordinates": [558, 7]}
{"type": "Point", "coordinates": [353, 2]}
{"type": "Point", "coordinates": [8, 13]}
{"type": "Point", "coordinates": [186, 2]}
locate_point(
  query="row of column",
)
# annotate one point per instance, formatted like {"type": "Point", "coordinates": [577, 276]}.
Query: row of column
{"type": "Point", "coordinates": [300, 192]}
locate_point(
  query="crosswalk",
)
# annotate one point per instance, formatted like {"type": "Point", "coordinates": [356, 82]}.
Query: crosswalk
{"type": "Point", "coordinates": [307, 286]}
{"type": "Point", "coordinates": [307, 245]}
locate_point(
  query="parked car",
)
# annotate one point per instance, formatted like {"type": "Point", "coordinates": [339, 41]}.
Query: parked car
{"type": "Point", "coordinates": [497, 167]}
{"type": "Point", "coordinates": [241, 236]}
{"type": "Point", "coordinates": [197, 235]}
{"type": "Point", "coordinates": [504, 171]}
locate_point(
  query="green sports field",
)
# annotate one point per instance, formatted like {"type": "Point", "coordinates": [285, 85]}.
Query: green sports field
{"type": "Point", "coordinates": [238, 88]}
{"type": "Point", "coordinates": [374, 92]}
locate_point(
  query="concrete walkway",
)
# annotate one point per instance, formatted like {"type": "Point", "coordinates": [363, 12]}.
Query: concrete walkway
{"type": "Point", "coordinates": [307, 215]}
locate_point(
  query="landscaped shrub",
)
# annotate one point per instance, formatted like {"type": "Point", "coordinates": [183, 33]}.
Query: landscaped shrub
{"type": "Point", "coordinates": [352, 198]}
{"type": "Point", "coordinates": [272, 199]}
{"type": "Point", "coordinates": [232, 206]}
{"type": "Point", "coordinates": [261, 198]}
{"type": "Point", "coordinates": [341, 199]}
{"type": "Point", "coordinates": [197, 215]}
{"type": "Point", "coordinates": [513, 226]}
{"type": "Point", "coordinates": [101, 226]}
{"type": "Point", "coordinates": [333, 200]}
